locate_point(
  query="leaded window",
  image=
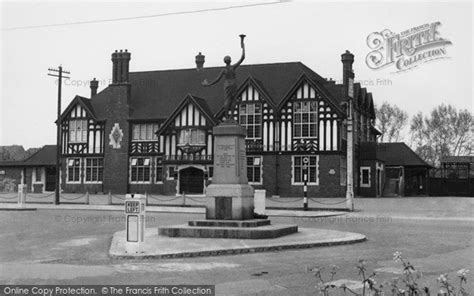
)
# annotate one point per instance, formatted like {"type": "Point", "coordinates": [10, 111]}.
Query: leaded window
{"type": "Point", "coordinates": [159, 170]}
{"type": "Point", "coordinates": [94, 168]}
{"type": "Point", "coordinates": [305, 165]}
{"type": "Point", "coordinates": [254, 169]}
{"type": "Point", "coordinates": [305, 119]}
{"type": "Point", "coordinates": [251, 119]}
{"type": "Point", "coordinates": [78, 131]}
{"type": "Point", "coordinates": [193, 137]}
{"type": "Point", "coordinates": [140, 168]}
{"type": "Point", "coordinates": [145, 132]}
{"type": "Point", "coordinates": [74, 170]}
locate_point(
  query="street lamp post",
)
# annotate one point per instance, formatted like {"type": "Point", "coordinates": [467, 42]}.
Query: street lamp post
{"type": "Point", "coordinates": [305, 180]}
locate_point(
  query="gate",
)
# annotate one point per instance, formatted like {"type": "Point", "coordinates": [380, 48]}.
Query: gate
{"type": "Point", "coordinates": [451, 182]}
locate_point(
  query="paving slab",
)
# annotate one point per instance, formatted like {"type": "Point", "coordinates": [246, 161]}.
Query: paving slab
{"type": "Point", "coordinates": [162, 247]}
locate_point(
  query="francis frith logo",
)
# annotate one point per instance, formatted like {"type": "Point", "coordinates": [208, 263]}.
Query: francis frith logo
{"type": "Point", "coordinates": [408, 49]}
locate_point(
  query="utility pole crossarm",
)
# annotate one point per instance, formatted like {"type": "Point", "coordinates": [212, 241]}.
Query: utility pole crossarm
{"type": "Point", "coordinates": [59, 74]}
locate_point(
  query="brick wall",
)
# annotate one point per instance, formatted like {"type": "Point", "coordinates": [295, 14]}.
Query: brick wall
{"type": "Point", "coordinates": [277, 175]}
{"type": "Point", "coordinates": [116, 160]}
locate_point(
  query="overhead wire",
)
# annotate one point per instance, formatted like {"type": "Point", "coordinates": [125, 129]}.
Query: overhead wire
{"type": "Point", "coordinates": [142, 16]}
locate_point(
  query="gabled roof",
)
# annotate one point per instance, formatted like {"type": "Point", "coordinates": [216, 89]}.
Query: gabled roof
{"type": "Point", "coordinates": [198, 102]}
{"type": "Point", "coordinates": [46, 156]}
{"type": "Point", "coordinates": [318, 85]}
{"type": "Point", "coordinates": [399, 154]}
{"type": "Point", "coordinates": [84, 102]}
{"type": "Point", "coordinates": [259, 86]}
{"type": "Point", "coordinates": [156, 94]}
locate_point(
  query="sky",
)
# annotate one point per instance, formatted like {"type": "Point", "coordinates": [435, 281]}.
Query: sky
{"type": "Point", "coordinates": [313, 32]}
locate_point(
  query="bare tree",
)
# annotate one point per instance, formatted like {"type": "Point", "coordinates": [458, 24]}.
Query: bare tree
{"type": "Point", "coordinates": [390, 121]}
{"type": "Point", "coordinates": [445, 132]}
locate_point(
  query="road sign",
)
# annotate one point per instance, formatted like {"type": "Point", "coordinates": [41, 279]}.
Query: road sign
{"type": "Point", "coordinates": [135, 221]}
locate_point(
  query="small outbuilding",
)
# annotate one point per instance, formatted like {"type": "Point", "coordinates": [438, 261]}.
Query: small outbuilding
{"type": "Point", "coordinates": [38, 172]}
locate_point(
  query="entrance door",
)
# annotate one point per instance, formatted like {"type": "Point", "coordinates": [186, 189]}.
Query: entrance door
{"type": "Point", "coordinates": [50, 179]}
{"type": "Point", "coordinates": [392, 182]}
{"type": "Point", "coordinates": [191, 181]}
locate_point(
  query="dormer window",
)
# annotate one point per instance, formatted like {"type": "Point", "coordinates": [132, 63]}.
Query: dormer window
{"type": "Point", "coordinates": [78, 131]}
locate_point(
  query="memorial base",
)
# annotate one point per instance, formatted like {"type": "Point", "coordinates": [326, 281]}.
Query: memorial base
{"type": "Point", "coordinates": [237, 229]}
{"type": "Point", "coordinates": [229, 202]}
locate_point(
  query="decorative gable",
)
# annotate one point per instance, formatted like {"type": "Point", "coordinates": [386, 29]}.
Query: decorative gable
{"type": "Point", "coordinates": [310, 120]}
{"type": "Point", "coordinates": [191, 112]}
{"type": "Point", "coordinates": [254, 111]}
{"type": "Point", "coordinates": [81, 132]}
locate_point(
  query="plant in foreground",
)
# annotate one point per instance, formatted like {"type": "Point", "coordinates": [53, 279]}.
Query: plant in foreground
{"type": "Point", "coordinates": [406, 285]}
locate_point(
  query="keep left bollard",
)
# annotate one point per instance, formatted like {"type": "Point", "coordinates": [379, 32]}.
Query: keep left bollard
{"type": "Point", "coordinates": [135, 209]}
{"type": "Point", "coordinates": [22, 194]}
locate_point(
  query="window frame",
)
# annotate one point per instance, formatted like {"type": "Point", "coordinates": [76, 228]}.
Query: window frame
{"type": "Point", "coordinates": [315, 166]}
{"type": "Point", "coordinates": [362, 183]}
{"type": "Point", "coordinates": [79, 167]}
{"type": "Point", "coordinates": [312, 120]}
{"type": "Point", "coordinates": [134, 163]}
{"type": "Point", "coordinates": [99, 168]}
{"type": "Point", "coordinates": [147, 129]}
{"type": "Point", "coordinates": [255, 127]}
{"type": "Point", "coordinates": [83, 133]}
{"type": "Point", "coordinates": [259, 166]}
{"type": "Point", "coordinates": [189, 136]}
{"type": "Point", "coordinates": [35, 179]}
{"type": "Point", "coordinates": [158, 164]}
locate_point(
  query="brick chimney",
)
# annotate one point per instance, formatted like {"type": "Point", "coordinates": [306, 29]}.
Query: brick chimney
{"type": "Point", "coordinates": [120, 66]}
{"type": "Point", "coordinates": [125, 66]}
{"type": "Point", "coordinates": [347, 59]}
{"type": "Point", "coordinates": [200, 61]}
{"type": "Point", "coordinates": [94, 85]}
{"type": "Point", "coordinates": [114, 67]}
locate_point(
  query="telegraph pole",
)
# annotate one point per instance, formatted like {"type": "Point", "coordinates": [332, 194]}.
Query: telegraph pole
{"type": "Point", "coordinates": [350, 146]}
{"type": "Point", "coordinates": [58, 73]}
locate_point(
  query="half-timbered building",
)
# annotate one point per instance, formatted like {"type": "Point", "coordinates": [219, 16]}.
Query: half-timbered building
{"type": "Point", "coordinates": [151, 131]}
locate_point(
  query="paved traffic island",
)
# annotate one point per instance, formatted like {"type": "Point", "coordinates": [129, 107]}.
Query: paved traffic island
{"type": "Point", "coordinates": [157, 246]}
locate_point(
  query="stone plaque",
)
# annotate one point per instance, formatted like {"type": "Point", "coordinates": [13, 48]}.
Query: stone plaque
{"type": "Point", "coordinates": [225, 157]}
{"type": "Point", "coordinates": [223, 207]}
